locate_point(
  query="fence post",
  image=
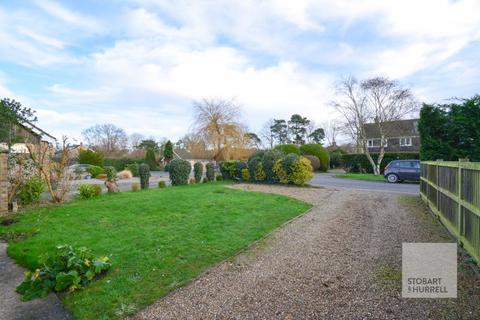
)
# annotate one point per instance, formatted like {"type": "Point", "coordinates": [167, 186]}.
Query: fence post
{"type": "Point", "coordinates": [3, 184]}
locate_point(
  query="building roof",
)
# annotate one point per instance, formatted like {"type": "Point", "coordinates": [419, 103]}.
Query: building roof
{"type": "Point", "coordinates": [399, 128]}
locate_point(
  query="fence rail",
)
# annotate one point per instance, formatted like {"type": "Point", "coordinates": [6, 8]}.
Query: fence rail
{"type": "Point", "coordinates": [452, 190]}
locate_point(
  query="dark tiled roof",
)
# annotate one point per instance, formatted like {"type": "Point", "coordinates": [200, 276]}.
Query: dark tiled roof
{"type": "Point", "coordinates": [400, 128]}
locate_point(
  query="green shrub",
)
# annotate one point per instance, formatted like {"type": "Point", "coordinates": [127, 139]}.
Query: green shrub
{"type": "Point", "coordinates": [258, 173]}
{"type": "Point", "coordinates": [288, 161]}
{"type": "Point", "coordinates": [252, 163]}
{"type": "Point", "coordinates": [95, 171]}
{"type": "Point", "coordinates": [162, 184]}
{"type": "Point", "coordinates": [245, 174]}
{"type": "Point", "coordinates": [91, 157]}
{"type": "Point", "coordinates": [317, 150]}
{"type": "Point", "coordinates": [111, 173]}
{"type": "Point", "coordinates": [240, 165]}
{"type": "Point", "coordinates": [302, 171]}
{"type": "Point", "coordinates": [67, 269]}
{"type": "Point", "coordinates": [198, 171]}
{"type": "Point", "coordinates": [288, 148]}
{"type": "Point", "coordinates": [359, 162]}
{"type": "Point", "coordinates": [210, 172]}
{"type": "Point", "coordinates": [133, 168]}
{"type": "Point", "coordinates": [336, 160]}
{"type": "Point", "coordinates": [150, 159]}
{"type": "Point", "coordinates": [205, 180]}
{"type": "Point", "coordinates": [88, 191]}
{"type": "Point", "coordinates": [314, 161]}
{"type": "Point", "coordinates": [135, 187]}
{"type": "Point", "coordinates": [268, 161]}
{"type": "Point", "coordinates": [121, 164]}
{"type": "Point", "coordinates": [219, 177]}
{"type": "Point", "coordinates": [179, 171]}
{"type": "Point", "coordinates": [228, 169]}
{"type": "Point", "coordinates": [144, 173]}
{"type": "Point", "coordinates": [166, 168]}
{"type": "Point", "coordinates": [280, 174]}
{"type": "Point", "coordinates": [31, 191]}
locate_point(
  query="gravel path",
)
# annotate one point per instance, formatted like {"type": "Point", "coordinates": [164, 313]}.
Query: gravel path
{"type": "Point", "coordinates": [341, 260]}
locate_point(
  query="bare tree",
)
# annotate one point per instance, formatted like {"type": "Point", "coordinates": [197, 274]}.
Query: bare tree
{"type": "Point", "coordinates": [332, 130]}
{"type": "Point", "coordinates": [134, 140]}
{"type": "Point", "coordinates": [267, 135]}
{"type": "Point", "coordinates": [217, 121]}
{"type": "Point", "coordinates": [377, 100]}
{"type": "Point", "coordinates": [106, 137]}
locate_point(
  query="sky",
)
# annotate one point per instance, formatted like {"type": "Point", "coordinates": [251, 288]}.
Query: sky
{"type": "Point", "coordinates": [140, 64]}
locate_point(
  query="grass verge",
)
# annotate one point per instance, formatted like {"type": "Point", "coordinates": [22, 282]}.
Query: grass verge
{"type": "Point", "coordinates": [157, 239]}
{"type": "Point", "coordinates": [361, 176]}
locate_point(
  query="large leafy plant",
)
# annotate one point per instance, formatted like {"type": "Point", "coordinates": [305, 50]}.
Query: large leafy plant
{"type": "Point", "coordinates": [67, 269]}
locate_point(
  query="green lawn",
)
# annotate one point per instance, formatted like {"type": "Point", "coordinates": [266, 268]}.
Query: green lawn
{"type": "Point", "coordinates": [157, 240]}
{"type": "Point", "coordinates": [361, 176]}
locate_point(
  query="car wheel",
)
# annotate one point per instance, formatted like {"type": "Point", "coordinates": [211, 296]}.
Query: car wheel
{"type": "Point", "coordinates": [392, 178]}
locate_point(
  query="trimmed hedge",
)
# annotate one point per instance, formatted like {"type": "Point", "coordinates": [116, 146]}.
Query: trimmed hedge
{"type": "Point", "coordinates": [210, 172]}
{"type": "Point", "coordinates": [288, 148]}
{"type": "Point", "coordinates": [359, 162]}
{"type": "Point", "coordinates": [121, 164]}
{"type": "Point", "coordinates": [318, 151]}
{"type": "Point", "coordinates": [144, 173]}
{"type": "Point", "coordinates": [91, 157]}
{"type": "Point", "coordinates": [314, 161]}
{"type": "Point", "coordinates": [293, 169]}
{"type": "Point", "coordinates": [198, 171]}
{"type": "Point", "coordinates": [179, 171]}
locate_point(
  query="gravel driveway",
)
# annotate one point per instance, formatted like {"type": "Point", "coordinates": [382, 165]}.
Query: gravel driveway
{"type": "Point", "coordinates": [341, 260]}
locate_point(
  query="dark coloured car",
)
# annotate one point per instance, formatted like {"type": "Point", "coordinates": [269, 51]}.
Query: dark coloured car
{"type": "Point", "coordinates": [400, 170]}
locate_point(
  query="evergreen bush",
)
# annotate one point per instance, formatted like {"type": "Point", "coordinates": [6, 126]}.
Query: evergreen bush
{"type": "Point", "coordinates": [144, 173]}
{"type": "Point", "coordinates": [198, 171]}
{"type": "Point", "coordinates": [179, 171]}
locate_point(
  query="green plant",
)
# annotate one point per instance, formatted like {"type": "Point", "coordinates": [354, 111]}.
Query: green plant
{"type": "Point", "coordinates": [228, 169]}
{"type": "Point", "coordinates": [120, 164]}
{"type": "Point", "coordinates": [302, 171]}
{"type": "Point", "coordinates": [150, 159]}
{"type": "Point", "coordinates": [179, 171]}
{"type": "Point", "coordinates": [314, 161]}
{"type": "Point", "coordinates": [245, 174]}
{"type": "Point", "coordinates": [258, 173]}
{"type": "Point", "coordinates": [198, 171]}
{"type": "Point", "coordinates": [32, 190]}
{"type": "Point", "coordinates": [88, 191]}
{"type": "Point", "coordinates": [67, 269]}
{"type": "Point", "coordinates": [135, 187]}
{"type": "Point", "coordinates": [280, 174]}
{"type": "Point", "coordinates": [205, 180]}
{"type": "Point", "coordinates": [288, 148]}
{"type": "Point", "coordinates": [144, 172]}
{"type": "Point", "coordinates": [210, 172]}
{"type": "Point", "coordinates": [162, 184]}
{"type": "Point", "coordinates": [95, 171]}
{"type": "Point", "coordinates": [360, 164]}
{"type": "Point", "coordinates": [91, 157]}
{"type": "Point", "coordinates": [133, 168]}
{"type": "Point", "coordinates": [317, 150]}
{"type": "Point", "coordinates": [336, 159]}
{"type": "Point", "coordinates": [111, 173]}
{"type": "Point", "coordinates": [288, 161]}
{"type": "Point", "coordinates": [219, 177]}
{"type": "Point", "coordinates": [268, 161]}
{"type": "Point", "coordinates": [168, 151]}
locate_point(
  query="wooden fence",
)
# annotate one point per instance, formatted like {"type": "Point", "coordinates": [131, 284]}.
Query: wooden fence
{"type": "Point", "coordinates": [452, 190]}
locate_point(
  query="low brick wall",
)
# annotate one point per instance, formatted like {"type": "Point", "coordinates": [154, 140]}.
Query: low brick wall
{"type": "Point", "coordinates": [3, 184]}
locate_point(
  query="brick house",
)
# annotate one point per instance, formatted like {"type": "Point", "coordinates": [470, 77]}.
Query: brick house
{"type": "Point", "coordinates": [27, 132]}
{"type": "Point", "coordinates": [401, 136]}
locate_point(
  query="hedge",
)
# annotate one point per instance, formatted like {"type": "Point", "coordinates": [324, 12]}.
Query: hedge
{"type": "Point", "coordinates": [288, 148]}
{"type": "Point", "coordinates": [359, 162]}
{"type": "Point", "coordinates": [318, 151]}
{"type": "Point", "coordinates": [179, 171]}
{"type": "Point", "coordinates": [121, 164]}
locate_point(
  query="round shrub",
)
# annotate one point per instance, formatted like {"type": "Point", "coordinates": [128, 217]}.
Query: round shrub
{"type": "Point", "coordinates": [252, 163]}
{"type": "Point", "coordinates": [336, 160]}
{"type": "Point", "coordinates": [245, 174]}
{"type": "Point", "coordinates": [314, 161]}
{"type": "Point", "coordinates": [228, 169]}
{"type": "Point", "coordinates": [90, 157]}
{"type": "Point", "coordinates": [219, 177]}
{"type": "Point", "coordinates": [317, 150]}
{"type": "Point", "coordinates": [198, 171]}
{"type": "Point", "coordinates": [287, 162]}
{"type": "Point", "coordinates": [179, 171]}
{"type": "Point", "coordinates": [31, 191]}
{"type": "Point", "coordinates": [210, 168]}
{"type": "Point", "coordinates": [258, 173]}
{"type": "Point", "coordinates": [268, 161]}
{"type": "Point", "coordinates": [144, 173]}
{"type": "Point", "coordinates": [162, 184]}
{"type": "Point", "coordinates": [88, 191]}
{"type": "Point", "coordinates": [111, 174]}
{"type": "Point", "coordinates": [95, 171]}
{"type": "Point", "coordinates": [302, 171]}
{"type": "Point", "coordinates": [288, 148]}
{"type": "Point", "coordinates": [135, 187]}
{"type": "Point", "coordinates": [280, 174]}
{"type": "Point", "coordinates": [133, 168]}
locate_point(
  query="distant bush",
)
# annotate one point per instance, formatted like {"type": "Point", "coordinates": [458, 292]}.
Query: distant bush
{"type": "Point", "coordinates": [162, 184]}
{"type": "Point", "coordinates": [150, 159]}
{"type": "Point", "coordinates": [133, 168]}
{"type": "Point", "coordinates": [31, 191]}
{"type": "Point", "coordinates": [314, 161]}
{"type": "Point", "coordinates": [67, 269]}
{"type": "Point", "coordinates": [258, 172]}
{"type": "Point", "coordinates": [135, 187]}
{"type": "Point", "coordinates": [111, 173]}
{"type": "Point", "coordinates": [179, 171]}
{"type": "Point", "coordinates": [336, 159]}
{"type": "Point", "coordinates": [219, 177]}
{"type": "Point", "coordinates": [88, 191]}
{"type": "Point", "coordinates": [288, 148]}
{"type": "Point", "coordinates": [245, 174]}
{"type": "Point", "coordinates": [95, 171]}
{"type": "Point", "coordinates": [210, 172]}
{"type": "Point", "coordinates": [144, 173]}
{"type": "Point", "coordinates": [102, 176]}
{"type": "Point", "coordinates": [317, 150]}
{"type": "Point", "coordinates": [90, 157]}
{"type": "Point", "coordinates": [122, 163]}
{"type": "Point", "coordinates": [198, 171]}
{"type": "Point", "coordinates": [124, 174]}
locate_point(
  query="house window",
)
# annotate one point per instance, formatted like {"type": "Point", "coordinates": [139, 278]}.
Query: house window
{"type": "Point", "coordinates": [405, 142]}
{"type": "Point", "coordinates": [375, 143]}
